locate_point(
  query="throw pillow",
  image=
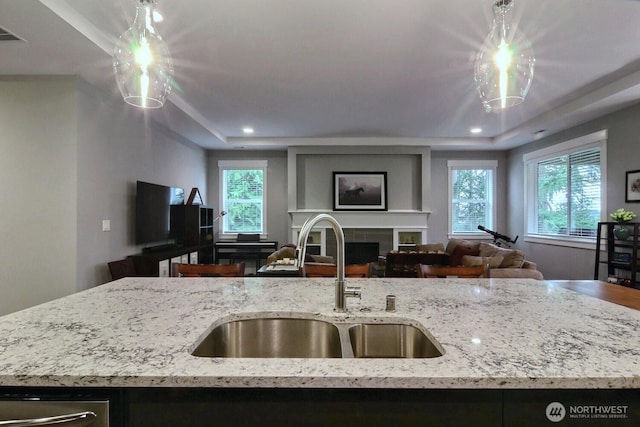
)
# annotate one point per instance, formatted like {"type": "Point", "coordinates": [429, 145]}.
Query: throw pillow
{"type": "Point", "coordinates": [455, 258]}
{"type": "Point", "coordinates": [513, 258]}
{"type": "Point", "coordinates": [433, 247]}
{"type": "Point", "coordinates": [452, 243]}
{"type": "Point", "coordinates": [493, 261]}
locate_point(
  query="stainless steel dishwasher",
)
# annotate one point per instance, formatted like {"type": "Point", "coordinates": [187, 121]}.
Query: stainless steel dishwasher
{"type": "Point", "coordinates": [35, 412]}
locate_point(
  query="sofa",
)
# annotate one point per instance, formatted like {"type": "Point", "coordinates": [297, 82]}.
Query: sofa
{"type": "Point", "coordinates": [504, 262]}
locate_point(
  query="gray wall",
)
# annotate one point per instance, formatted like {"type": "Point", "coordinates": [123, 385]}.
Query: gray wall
{"type": "Point", "coordinates": [117, 146]}
{"type": "Point", "coordinates": [559, 262]}
{"type": "Point", "coordinates": [38, 186]}
{"type": "Point", "coordinates": [315, 176]}
{"type": "Point", "coordinates": [70, 158]}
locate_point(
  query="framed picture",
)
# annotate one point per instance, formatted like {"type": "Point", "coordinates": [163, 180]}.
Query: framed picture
{"type": "Point", "coordinates": [632, 192]}
{"type": "Point", "coordinates": [359, 191]}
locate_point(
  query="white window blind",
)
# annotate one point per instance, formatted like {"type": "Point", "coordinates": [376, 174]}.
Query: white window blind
{"type": "Point", "coordinates": [565, 185]}
{"type": "Point", "coordinates": [242, 193]}
{"type": "Point", "coordinates": [472, 195]}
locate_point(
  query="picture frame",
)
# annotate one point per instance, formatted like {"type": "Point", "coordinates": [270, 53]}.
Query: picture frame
{"type": "Point", "coordinates": [632, 191]}
{"type": "Point", "coordinates": [360, 191]}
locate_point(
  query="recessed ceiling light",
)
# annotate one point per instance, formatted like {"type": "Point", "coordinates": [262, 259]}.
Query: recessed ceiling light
{"type": "Point", "coordinates": [248, 130]}
{"type": "Point", "coordinates": [475, 130]}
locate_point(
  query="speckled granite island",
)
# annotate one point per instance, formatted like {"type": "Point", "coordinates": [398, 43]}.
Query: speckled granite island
{"type": "Point", "coordinates": [497, 335]}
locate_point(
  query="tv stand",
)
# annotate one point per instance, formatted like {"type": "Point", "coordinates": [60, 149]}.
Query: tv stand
{"type": "Point", "coordinates": [160, 248]}
{"type": "Point", "coordinates": [157, 263]}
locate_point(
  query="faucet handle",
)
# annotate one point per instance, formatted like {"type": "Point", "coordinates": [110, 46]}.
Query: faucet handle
{"type": "Point", "coordinates": [353, 292]}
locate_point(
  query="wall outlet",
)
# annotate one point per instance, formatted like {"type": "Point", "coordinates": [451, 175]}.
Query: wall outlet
{"type": "Point", "coordinates": [106, 225]}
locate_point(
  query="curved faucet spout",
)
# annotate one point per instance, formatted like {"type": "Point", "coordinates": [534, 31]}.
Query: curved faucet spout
{"type": "Point", "coordinates": [301, 250]}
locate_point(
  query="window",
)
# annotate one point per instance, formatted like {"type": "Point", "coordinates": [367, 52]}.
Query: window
{"type": "Point", "coordinates": [243, 187]}
{"type": "Point", "coordinates": [471, 195]}
{"type": "Point", "coordinates": [564, 187]}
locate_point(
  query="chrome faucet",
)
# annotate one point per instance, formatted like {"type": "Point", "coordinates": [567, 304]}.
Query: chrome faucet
{"type": "Point", "coordinates": [342, 291]}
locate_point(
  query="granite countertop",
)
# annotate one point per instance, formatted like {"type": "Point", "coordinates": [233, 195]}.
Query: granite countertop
{"type": "Point", "coordinates": [496, 333]}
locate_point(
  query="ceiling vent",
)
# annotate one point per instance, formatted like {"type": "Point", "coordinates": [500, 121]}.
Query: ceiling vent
{"type": "Point", "coordinates": [7, 36]}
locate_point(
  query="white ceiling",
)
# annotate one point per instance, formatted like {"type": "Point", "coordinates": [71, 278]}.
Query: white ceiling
{"type": "Point", "coordinates": [367, 71]}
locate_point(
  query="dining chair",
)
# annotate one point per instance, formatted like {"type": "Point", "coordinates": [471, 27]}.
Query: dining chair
{"type": "Point", "coordinates": [432, 271]}
{"type": "Point", "coordinates": [207, 270]}
{"type": "Point", "coordinates": [331, 270]}
{"type": "Point", "coordinates": [122, 268]}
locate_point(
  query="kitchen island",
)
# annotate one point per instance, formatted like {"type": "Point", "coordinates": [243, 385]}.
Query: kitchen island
{"type": "Point", "coordinates": [497, 334]}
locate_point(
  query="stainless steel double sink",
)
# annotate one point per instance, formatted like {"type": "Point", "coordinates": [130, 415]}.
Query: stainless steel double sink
{"type": "Point", "coordinates": [300, 337]}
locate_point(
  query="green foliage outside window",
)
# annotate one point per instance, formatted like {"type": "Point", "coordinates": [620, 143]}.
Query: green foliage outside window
{"type": "Point", "coordinates": [569, 194]}
{"type": "Point", "coordinates": [471, 202]}
{"type": "Point", "coordinates": [243, 200]}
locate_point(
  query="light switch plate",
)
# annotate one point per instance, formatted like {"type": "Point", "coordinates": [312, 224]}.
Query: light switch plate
{"type": "Point", "coordinates": [106, 225]}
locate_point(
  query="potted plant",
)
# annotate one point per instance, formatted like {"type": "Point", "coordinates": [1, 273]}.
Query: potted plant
{"type": "Point", "coordinates": [622, 217]}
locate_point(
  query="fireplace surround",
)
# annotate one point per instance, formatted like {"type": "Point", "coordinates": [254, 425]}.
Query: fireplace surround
{"type": "Point", "coordinates": [392, 230]}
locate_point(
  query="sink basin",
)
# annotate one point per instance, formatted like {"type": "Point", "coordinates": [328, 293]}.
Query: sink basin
{"type": "Point", "coordinates": [300, 337]}
{"type": "Point", "coordinates": [390, 341]}
{"type": "Point", "coordinates": [272, 337]}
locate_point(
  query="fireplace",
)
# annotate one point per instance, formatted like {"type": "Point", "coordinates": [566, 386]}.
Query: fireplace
{"type": "Point", "coordinates": [361, 252]}
{"type": "Point", "coordinates": [390, 230]}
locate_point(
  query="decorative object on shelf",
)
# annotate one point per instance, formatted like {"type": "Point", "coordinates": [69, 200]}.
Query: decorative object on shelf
{"type": "Point", "coordinates": [625, 282]}
{"type": "Point", "coordinates": [504, 65]}
{"type": "Point", "coordinates": [359, 191]}
{"type": "Point", "coordinates": [621, 216]}
{"type": "Point", "coordinates": [141, 61]}
{"type": "Point", "coordinates": [621, 232]}
{"type": "Point", "coordinates": [195, 198]}
{"type": "Point", "coordinates": [632, 193]}
{"type": "Point", "coordinates": [623, 257]}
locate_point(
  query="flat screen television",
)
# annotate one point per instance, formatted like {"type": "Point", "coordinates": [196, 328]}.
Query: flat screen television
{"type": "Point", "coordinates": [153, 206]}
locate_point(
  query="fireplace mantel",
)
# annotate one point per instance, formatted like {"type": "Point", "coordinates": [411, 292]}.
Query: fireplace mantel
{"type": "Point", "coordinates": [365, 219]}
{"type": "Point", "coordinates": [398, 221]}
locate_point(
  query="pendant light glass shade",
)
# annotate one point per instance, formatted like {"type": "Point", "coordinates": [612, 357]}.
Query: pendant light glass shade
{"type": "Point", "coordinates": [141, 60]}
{"type": "Point", "coordinates": [504, 65]}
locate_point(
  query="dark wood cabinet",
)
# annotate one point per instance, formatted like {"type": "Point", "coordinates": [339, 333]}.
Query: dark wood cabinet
{"type": "Point", "coordinates": [616, 254]}
{"type": "Point", "coordinates": [157, 263]}
{"type": "Point", "coordinates": [193, 226]}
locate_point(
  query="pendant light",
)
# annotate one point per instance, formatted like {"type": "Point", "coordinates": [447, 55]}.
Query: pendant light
{"type": "Point", "coordinates": [141, 61]}
{"type": "Point", "coordinates": [504, 65]}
